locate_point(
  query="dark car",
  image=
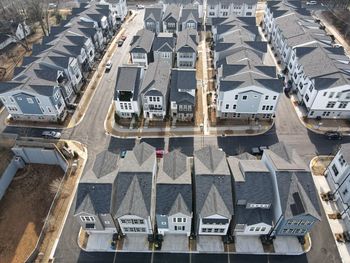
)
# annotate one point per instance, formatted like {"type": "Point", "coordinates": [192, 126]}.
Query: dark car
{"type": "Point", "coordinates": [333, 135]}
{"type": "Point", "coordinates": [122, 154]}
{"type": "Point", "coordinates": [120, 43]}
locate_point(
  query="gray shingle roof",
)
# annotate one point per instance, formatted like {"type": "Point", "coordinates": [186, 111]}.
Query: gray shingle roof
{"type": "Point", "coordinates": [187, 41]}
{"type": "Point", "coordinates": [156, 78]}
{"type": "Point", "coordinates": [94, 198]}
{"type": "Point", "coordinates": [173, 198]}
{"type": "Point", "coordinates": [141, 159]}
{"type": "Point", "coordinates": [164, 42]}
{"type": "Point", "coordinates": [183, 85]}
{"type": "Point", "coordinates": [154, 13]}
{"type": "Point", "coordinates": [253, 216]}
{"type": "Point", "coordinates": [128, 79]}
{"type": "Point", "coordinates": [345, 151]}
{"type": "Point", "coordinates": [131, 195]}
{"type": "Point", "coordinates": [210, 160]}
{"type": "Point", "coordinates": [172, 11]}
{"type": "Point", "coordinates": [189, 12]}
{"type": "Point", "coordinates": [174, 168]}
{"type": "Point", "coordinates": [142, 41]}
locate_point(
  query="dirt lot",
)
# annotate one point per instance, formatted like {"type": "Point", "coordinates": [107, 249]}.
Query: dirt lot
{"type": "Point", "coordinates": [340, 19]}
{"type": "Point", "coordinates": [23, 210]}
{"type": "Point", "coordinates": [5, 157]}
{"type": "Point", "coordinates": [320, 165]}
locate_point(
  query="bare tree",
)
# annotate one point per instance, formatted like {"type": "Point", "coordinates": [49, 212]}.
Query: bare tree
{"type": "Point", "coordinates": [12, 17]}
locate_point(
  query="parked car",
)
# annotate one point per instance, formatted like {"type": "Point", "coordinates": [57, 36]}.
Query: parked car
{"type": "Point", "coordinates": [140, 6]}
{"type": "Point", "coordinates": [311, 3]}
{"type": "Point", "coordinates": [108, 65]}
{"type": "Point", "coordinates": [258, 150]}
{"type": "Point", "coordinates": [333, 135]}
{"type": "Point", "coordinates": [122, 154]}
{"type": "Point", "coordinates": [120, 43]}
{"type": "Point", "coordinates": [51, 134]}
{"type": "Point", "coordinates": [123, 37]}
{"type": "Point", "coordinates": [336, 45]}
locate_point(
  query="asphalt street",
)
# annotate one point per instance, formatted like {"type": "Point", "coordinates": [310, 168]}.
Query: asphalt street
{"type": "Point", "coordinates": [91, 133]}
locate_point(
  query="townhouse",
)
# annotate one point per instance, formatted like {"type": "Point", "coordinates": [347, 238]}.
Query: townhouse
{"type": "Point", "coordinates": [189, 17]}
{"type": "Point", "coordinates": [49, 81]}
{"type": "Point", "coordinates": [300, 44]}
{"type": "Point", "coordinates": [198, 4]}
{"type": "Point", "coordinates": [134, 202]}
{"type": "Point", "coordinates": [337, 175]}
{"type": "Point", "coordinates": [253, 196]}
{"type": "Point", "coordinates": [213, 192]}
{"type": "Point", "coordinates": [225, 8]}
{"type": "Point", "coordinates": [153, 19]}
{"type": "Point", "coordinates": [141, 48]}
{"type": "Point", "coordinates": [296, 207]}
{"type": "Point", "coordinates": [171, 18]}
{"type": "Point", "coordinates": [21, 30]}
{"type": "Point", "coordinates": [174, 195]}
{"type": "Point", "coordinates": [155, 90]}
{"type": "Point", "coordinates": [186, 48]}
{"type": "Point", "coordinates": [127, 89]}
{"type": "Point", "coordinates": [182, 94]}
{"type": "Point", "coordinates": [118, 7]}
{"type": "Point", "coordinates": [93, 206]}
{"type": "Point", "coordinates": [164, 47]}
{"type": "Point", "coordinates": [246, 88]}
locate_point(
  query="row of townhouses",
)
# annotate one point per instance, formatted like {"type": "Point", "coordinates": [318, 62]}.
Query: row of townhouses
{"type": "Point", "coordinates": [47, 83]}
{"type": "Point", "coordinates": [238, 195]}
{"type": "Point", "coordinates": [146, 47]}
{"type": "Point", "coordinates": [158, 91]}
{"type": "Point", "coordinates": [172, 18]}
{"type": "Point", "coordinates": [301, 46]}
{"type": "Point", "coordinates": [246, 86]}
{"type": "Point", "coordinates": [338, 177]}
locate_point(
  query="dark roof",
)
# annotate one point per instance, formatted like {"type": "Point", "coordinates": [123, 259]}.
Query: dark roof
{"type": "Point", "coordinates": [173, 198]}
{"type": "Point", "coordinates": [187, 41]}
{"type": "Point", "coordinates": [253, 216]}
{"type": "Point", "coordinates": [155, 13]}
{"type": "Point", "coordinates": [133, 194]}
{"type": "Point", "coordinates": [142, 41]}
{"type": "Point", "coordinates": [128, 79]}
{"type": "Point", "coordinates": [189, 12]}
{"type": "Point", "coordinates": [164, 42]}
{"type": "Point", "coordinates": [93, 198]}
{"type": "Point", "coordinates": [173, 11]}
{"type": "Point", "coordinates": [183, 85]}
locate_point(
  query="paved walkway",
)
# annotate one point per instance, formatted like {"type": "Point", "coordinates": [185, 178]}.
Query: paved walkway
{"type": "Point", "coordinates": [337, 225]}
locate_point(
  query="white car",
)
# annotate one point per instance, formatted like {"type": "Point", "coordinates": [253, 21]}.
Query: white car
{"type": "Point", "coordinates": [51, 134]}
{"type": "Point", "coordinates": [108, 65]}
{"type": "Point", "coordinates": [336, 45]}
{"type": "Point", "coordinates": [140, 6]}
{"type": "Point", "coordinates": [311, 3]}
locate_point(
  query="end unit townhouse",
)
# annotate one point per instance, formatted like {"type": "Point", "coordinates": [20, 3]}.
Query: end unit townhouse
{"type": "Point", "coordinates": [198, 4]}
{"type": "Point", "coordinates": [296, 207]}
{"type": "Point", "coordinates": [174, 195]}
{"type": "Point", "coordinates": [189, 18]}
{"type": "Point", "coordinates": [134, 203]}
{"type": "Point", "coordinates": [225, 8]}
{"type": "Point", "coordinates": [155, 90]}
{"type": "Point", "coordinates": [213, 192]}
{"type": "Point", "coordinates": [141, 48]}
{"type": "Point", "coordinates": [338, 178]}
{"type": "Point", "coordinates": [118, 7]}
{"type": "Point", "coordinates": [186, 48]}
{"type": "Point", "coordinates": [127, 89]}
{"type": "Point", "coordinates": [182, 94]}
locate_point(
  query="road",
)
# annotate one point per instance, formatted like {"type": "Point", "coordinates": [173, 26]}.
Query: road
{"type": "Point", "coordinates": [91, 133]}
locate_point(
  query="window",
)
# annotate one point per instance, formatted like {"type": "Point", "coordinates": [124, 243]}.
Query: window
{"type": "Point", "coordinates": [224, 6]}
{"type": "Point", "coordinates": [263, 228]}
{"type": "Point", "coordinates": [257, 228]}
{"type": "Point", "coordinates": [266, 97]}
{"type": "Point", "coordinates": [342, 105]}
{"type": "Point", "coordinates": [345, 191]}
{"type": "Point", "coordinates": [234, 106]}
{"type": "Point", "coordinates": [326, 113]}
{"type": "Point", "coordinates": [174, 220]}
{"type": "Point", "coordinates": [251, 229]}
{"type": "Point", "coordinates": [179, 220]}
{"type": "Point", "coordinates": [331, 94]}
{"type": "Point", "coordinates": [150, 98]}
{"type": "Point", "coordinates": [244, 98]}
{"type": "Point", "coordinates": [30, 101]}
{"type": "Point", "coordinates": [48, 109]}
{"type": "Point", "coordinates": [236, 97]}
{"type": "Point", "coordinates": [338, 95]}
{"type": "Point", "coordinates": [263, 107]}
{"type": "Point", "coordinates": [87, 218]}
{"type": "Point", "coordinates": [341, 160]}
{"type": "Point", "coordinates": [250, 7]}
{"type": "Point", "coordinates": [274, 97]}
{"type": "Point", "coordinates": [227, 106]}
{"type": "Point", "coordinates": [222, 230]}
{"type": "Point", "coordinates": [307, 97]}
{"type": "Point", "coordinates": [310, 88]}
{"type": "Point", "coordinates": [107, 222]}
{"type": "Point", "coordinates": [324, 94]}
{"type": "Point", "coordinates": [330, 104]}
{"type": "Point", "coordinates": [184, 220]}
{"type": "Point", "coordinates": [158, 99]}
{"type": "Point", "coordinates": [37, 100]}
{"type": "Point", "coordinates": [335, 170]}
{"type": "Point", "coordinates": [271, 107]}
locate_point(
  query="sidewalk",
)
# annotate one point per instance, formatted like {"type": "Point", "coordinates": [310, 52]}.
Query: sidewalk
{"type": "Point", "coordinates": [119, 131]}
{"type": "Point", "coordinates": [282, 245]}
{"type": "Point", "coordinates": [337, 225]}
{"type": "Point", "coordinates": [320, 126]}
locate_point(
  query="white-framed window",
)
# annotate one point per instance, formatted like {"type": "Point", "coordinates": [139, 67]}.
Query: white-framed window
{"type": "Point", "coordinates": [244, 97]}
{"type": "Point", "coordinates": [341, 160]}
{"type": "Point", "coordinates": [87, 218]}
